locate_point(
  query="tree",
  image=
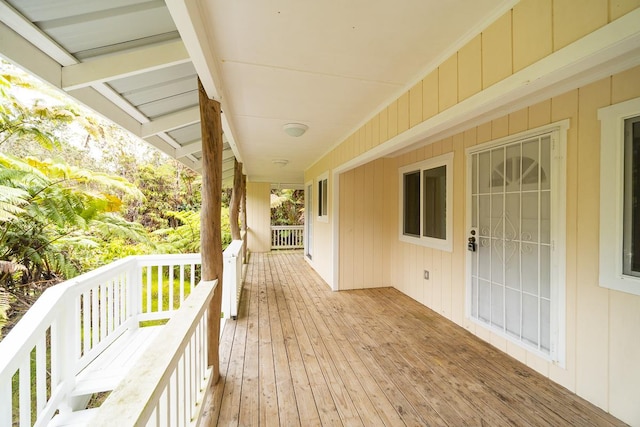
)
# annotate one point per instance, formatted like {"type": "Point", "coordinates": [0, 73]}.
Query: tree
{"type": "Point", "coordinates": [287, 207]}
{"type": "Point", "coordinates": [49, 209]}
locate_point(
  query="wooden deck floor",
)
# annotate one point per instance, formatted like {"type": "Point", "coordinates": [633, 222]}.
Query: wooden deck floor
{"type": "Point", "coordinates": [301, 355]}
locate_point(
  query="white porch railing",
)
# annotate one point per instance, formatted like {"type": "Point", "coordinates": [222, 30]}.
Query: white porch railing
{"type": "Point", "coordinates": [287, 236]}
{"type": "Point", "coordinates": [168, 386]}
{"type": "Point", "coordinates": [233, 258]}
{"type": "Point", "coordinates": [46, 357]}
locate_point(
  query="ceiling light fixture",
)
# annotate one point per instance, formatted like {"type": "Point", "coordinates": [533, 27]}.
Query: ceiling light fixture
{"type": "Point", "coordinates": [280, 162]}
{"type": "Point", "coordinates": [295, 129]}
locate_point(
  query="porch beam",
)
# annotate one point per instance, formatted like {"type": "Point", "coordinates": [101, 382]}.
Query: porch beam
{"type": "Point", "coordinates": [124, 65]}
{"type": "Point", "coordinates": [189, 148]}
{"type": "Point", "coordinates": [210, 220]}
{"type": "Point", "coordinates": [172, 121]}
{"type": "Point", "coordinates": [234, 203]}
{"type": "Point", "coordinates": [244, 215]}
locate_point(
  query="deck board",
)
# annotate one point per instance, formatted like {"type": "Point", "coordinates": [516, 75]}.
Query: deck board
{"type": "Point", "coordinates": [299, 354]}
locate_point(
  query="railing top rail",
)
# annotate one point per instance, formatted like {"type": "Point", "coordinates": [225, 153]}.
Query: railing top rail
{"type": "Point", "coordinates": [131, 403]}
{"type": "Point", "coordinates": [287, 227]}
{"type": "Point", "coordinates": [234, 249]}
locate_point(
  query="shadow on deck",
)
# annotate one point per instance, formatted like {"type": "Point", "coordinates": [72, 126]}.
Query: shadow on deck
{"type": "Point", "coordinates": [299, 354]}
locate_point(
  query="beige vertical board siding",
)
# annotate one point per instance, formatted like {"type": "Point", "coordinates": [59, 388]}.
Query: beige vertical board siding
{"type": "Point", "coordinates": [367, 136]}
{"type": "Point", "coordinates": [618, 8]}
{"type": "Point", "coordinates": [427, 263]}
{"type": "Point", "coordinates": [602, 345]}
{"type": "Point", "coordinates": [519, 121]}
{"type": "Point", "coordinates": [593, 304]}
{"type": "Point", "coordinates": [369, 222]}
{"type": "Point", "coordinates": [436, 148]}
{"type": "Point", "coordinates": [484, 133]}
{"type": "Point", "coordinates": [458, 264]}
{"type": "Point", "coordinates": [566, 107]}
{"type": "Point", "coordinates": [626, 85]}
{"type": "Point", "coordinates": [624, 324]}
{"type": "Point", "coordinates": [377, 208]}
{"type": "Point", "coordinates": [375, 130]}
{"type": "Point", "coordinates": [435, 278]}
{"type": "Point", "coordinates": [403, 112]}
{"type": "Point", "coordinates": [496, 51]}
{"type": "Point", "coordinates": [259, 216]}
{"type": "Point", "coordinates": [573, 19]}
{"type": "Point", "coordinates": [624, 353]}
{"type": "Point", "coordinates": [415, 104]}
{"type": "Point", "coordinates": [532, 32]}
{"type": "Point", "coordinates": [500, 127]}
{"type": "Point", "coordinates": [447, 147]}
{"type": "Point", "coordinates": [390, 226]}
{"type": "Point", "coordinates": [347, 246]}
{"type": "Point", "coordinates": [384, 125]}
{"type": "Point", "coordinates": [392, 110]}
{"type": "Point", "coordinates": [448, 83]}
{"type": "Point", "coordinates": [540, 114]}
{"type": "Point", "coordinates": [430, 95]}
{"type": "Point", "coordinates": [470, 68]}
{"type": "Point", "coordinates": [359, 214]}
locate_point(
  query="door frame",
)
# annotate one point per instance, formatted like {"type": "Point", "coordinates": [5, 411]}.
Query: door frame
{"type": "Point", "coordinates": [558, 306]}
{"type": "Point", "coordinates": [308, 220]}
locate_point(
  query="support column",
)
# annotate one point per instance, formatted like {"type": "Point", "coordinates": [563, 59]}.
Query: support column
{"type": "Point", "coordinates": [210, 221]}
{"type": "Point", "coordinates": [234, 203]}
{"type": "Point", "coordinates": [244, 216]}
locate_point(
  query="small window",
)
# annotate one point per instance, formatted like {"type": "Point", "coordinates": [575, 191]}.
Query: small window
{"type": "Point", "coordinates": [620, 196]}
{"type": "Point", "coordinates": [412, 204]}
{"type": "Point", "coordinates": [426, 209]}
{"type": "Point", "coordinates": [323, 198]}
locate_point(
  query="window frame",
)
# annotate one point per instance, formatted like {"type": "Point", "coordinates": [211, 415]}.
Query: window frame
{"type": "Point", "coordinates": [612, 169]}
{"type": "Point", "coordinates": [322, 212]}
{"type": "Point", "coordinates": [445, 244]}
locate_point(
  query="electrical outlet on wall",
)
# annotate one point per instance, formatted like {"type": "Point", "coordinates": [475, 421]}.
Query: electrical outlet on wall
{"type": "Point", "coordinates": [426, 275]}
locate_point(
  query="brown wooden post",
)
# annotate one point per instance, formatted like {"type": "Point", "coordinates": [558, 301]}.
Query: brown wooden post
{"type": "Point", "coordinates": [234, 203]}
{"type": "Point", "coordinates": [244, 216]}
{"type": "Point", "coordinates": [210, 233]}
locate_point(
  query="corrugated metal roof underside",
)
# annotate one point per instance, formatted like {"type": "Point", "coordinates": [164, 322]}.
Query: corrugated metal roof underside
{"type": "Point", "coordinates": [89, 30]}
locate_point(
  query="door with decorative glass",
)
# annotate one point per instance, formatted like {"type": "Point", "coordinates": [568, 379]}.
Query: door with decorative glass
{"type": "Point", "coordinates": [512, 290]}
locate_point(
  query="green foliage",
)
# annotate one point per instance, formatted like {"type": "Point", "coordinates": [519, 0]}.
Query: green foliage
{"type": "Point", "coordinates": [77, 192]}
{"type": "Point", "coordinates": [58, 208]}
{"type": "Point", "coordinates": [185, 237]}
{"type": "Point", "coordinates": [287, 207]}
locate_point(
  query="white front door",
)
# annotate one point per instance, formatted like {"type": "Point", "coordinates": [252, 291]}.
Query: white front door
{"type": "Point", "coordinates": [512, 196]}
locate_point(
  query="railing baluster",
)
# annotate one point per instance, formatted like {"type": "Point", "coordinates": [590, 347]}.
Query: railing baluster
{"type": "Point", "coordinates": [181, 284]}
{"type": "Point", "coordinates": [24, 392]}
{"type": "Point", "coordinates": [102, 309]}
{"type": "Point", "coordinates": [86, 322]}
{"type": "Point", "coordinates": [41, 373]}
{"type": "Point", "coordinates": [159, 294]}
{"type": "Point", "coordinates": [149, 271]}
{"type": "Point", "coordinates": [116, 302]}
{"type": "Point", "coordinates": [170, 287]}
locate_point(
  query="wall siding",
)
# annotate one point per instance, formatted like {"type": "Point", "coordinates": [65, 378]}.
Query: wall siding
{"type": "Point", "coordinates": [259, 216]}
{"type": "Point", "coordinates": [602, 326]}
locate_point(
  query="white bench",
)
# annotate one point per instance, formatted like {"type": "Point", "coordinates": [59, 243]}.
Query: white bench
{"type": "Point", "coordinates": [106, 371]}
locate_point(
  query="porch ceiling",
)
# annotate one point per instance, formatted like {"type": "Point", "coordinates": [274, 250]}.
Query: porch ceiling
{"type": "Point", "coordinates": [330, 65]}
